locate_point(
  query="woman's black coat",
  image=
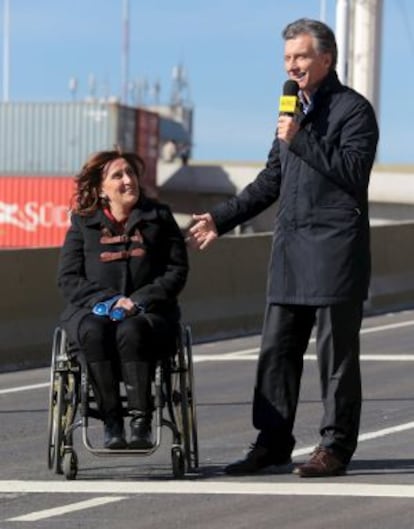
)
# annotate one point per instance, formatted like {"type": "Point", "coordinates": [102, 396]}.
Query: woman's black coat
{"type": "Point", "coordinates": [148, 263]}
{"type": "Point", "coordinates": [320, 253]}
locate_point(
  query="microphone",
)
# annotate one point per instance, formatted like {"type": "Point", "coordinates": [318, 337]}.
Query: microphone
{"type": "Point", "coordinates": [289, 101]}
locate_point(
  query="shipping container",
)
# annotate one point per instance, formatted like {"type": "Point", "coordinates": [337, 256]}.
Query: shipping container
{"type": "Point", "coordinates": [34, 210]}
{"type": "Point", "coordinates": [44, 144]}
{"type": "Point", "coordinates": [43, 138]}
{"type": "Point", "coordinates": [147, 126]}
{"type": "Point", "coordinates": [173, 130]}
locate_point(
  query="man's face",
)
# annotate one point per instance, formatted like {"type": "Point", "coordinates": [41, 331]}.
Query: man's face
{"type": "Point", "coordinates": [304, 64]}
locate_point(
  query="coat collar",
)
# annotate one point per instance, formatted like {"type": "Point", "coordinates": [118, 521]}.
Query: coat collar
{"type": "Point", "coordinates": [145, 210]}
{"type": "Point", "coordinates": [330, 84]}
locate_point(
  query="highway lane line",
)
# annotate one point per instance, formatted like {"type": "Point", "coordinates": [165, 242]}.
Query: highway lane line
{"type": "Point", "coordinates": [364, 437]}
{"type": "Point", "coordinates": [388, 326]}
{"type": "Point", "coordinates": [24, 388]}
{"type": "Point", "coordinates": [234, 355]}
{"type": "Point", "coordinates": [246, 355]}
{"type": "Point", "coordinates": [386, 431]}
{"type": "Point", "coordinates": [251, 354]}
{"type": "Point", "coordinates": [131, 488]}
{"type": "Point", "coordinates": [356, 490]}
{"type": "Point", "coordinates": [72, 507]}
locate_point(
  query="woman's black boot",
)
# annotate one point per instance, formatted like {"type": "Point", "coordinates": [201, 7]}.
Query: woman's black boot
{"type": "Point", "coordinates": [114, 433]}
{"type": "Point", "coordinates": [141, 435]}
{"type": "Point", "coordinates": [137, 379]}
{"type": "Point", "coordinates": [106, 390]}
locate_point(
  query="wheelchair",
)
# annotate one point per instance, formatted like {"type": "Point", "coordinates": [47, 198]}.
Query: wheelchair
{"type": "Point", "coordinates": [72, 404]}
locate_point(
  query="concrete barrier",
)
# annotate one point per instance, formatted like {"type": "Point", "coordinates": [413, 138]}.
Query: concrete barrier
{"type": "Point", "coordinates": [224, 296]}
{"type": "Point", "coordinates": [198, 186]}
{"type": "Point", "coordinates": [392, 283]}
{"type": "Point", "coordinates": [29, 306]}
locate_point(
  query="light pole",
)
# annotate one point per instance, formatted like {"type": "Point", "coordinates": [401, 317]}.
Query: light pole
{"type": "Point", "coordinates": [6, 49]}
{"type": "Point", "coordinates": [366, 60]}
{"type": "Point", "coordinates": [125, 51]}
{"type": "Point", "coordinates": [322, 11]}
{"type": "Point", "coordinates": [342, 38]}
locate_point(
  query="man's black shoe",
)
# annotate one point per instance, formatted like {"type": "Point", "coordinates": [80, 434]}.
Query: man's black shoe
{"type": "Point", "coordinates": [258, 458]}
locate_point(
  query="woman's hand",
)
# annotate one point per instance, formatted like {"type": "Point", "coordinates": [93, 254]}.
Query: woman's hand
{"type": "Point", "coordinates": [127, 304]}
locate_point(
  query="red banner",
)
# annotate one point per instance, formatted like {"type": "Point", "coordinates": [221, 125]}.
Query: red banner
{"type": "Point", "coordinates": [34, 210]}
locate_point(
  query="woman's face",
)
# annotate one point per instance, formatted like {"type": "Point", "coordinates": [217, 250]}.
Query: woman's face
{"type": "Point", "coordinates": [120, 185]}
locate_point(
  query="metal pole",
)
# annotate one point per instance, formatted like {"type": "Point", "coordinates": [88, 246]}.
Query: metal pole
{"type": "Point", "coordinates": [125, 51]}
{"type": "Point", "coordinates": [342, 39]}
{"type": "Point", "coordinates": [367, 49]}
{"type": "Point", "coordinates": [377, 53]}
{"type": "Point", "coordinates": [6, 49]}
{"type": "Point", "coordinates": [322, 16]}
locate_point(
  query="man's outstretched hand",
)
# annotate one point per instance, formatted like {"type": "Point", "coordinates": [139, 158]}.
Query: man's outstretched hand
{"type": "Point", "coordinates": [203, 232]}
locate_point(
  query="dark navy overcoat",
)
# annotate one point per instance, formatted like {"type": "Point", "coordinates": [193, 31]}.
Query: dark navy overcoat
{"type": "Point", "coordinates": [320, 253]}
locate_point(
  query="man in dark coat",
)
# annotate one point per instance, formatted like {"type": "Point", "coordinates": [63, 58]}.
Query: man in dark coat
{"type": "Point", "coordinates": [318, 170]}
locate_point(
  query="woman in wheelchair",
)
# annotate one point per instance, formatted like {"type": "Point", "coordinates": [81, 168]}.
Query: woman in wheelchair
{"type": "Point", "coordinates": [122, 265]}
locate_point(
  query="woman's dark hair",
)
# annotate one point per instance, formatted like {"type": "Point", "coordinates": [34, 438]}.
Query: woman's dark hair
{"type": "Point", "coordinates": [86, 198]}
{"type": "Point", "coordinates": [323, 34]}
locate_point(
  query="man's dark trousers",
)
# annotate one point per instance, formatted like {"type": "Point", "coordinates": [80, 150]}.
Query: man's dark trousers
{"type": "Point", "coordinates": [286, 333]}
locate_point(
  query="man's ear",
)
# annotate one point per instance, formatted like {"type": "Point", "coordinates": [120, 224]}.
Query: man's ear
{"type": "Point", "coordinates": [327, 60]}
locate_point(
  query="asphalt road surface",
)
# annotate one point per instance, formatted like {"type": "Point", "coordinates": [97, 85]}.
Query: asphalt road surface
{"type": "Point", "coordinates": [129, 493]}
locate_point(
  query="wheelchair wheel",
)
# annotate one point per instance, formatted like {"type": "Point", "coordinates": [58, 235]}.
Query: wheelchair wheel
{"type": "Point", "coordinates": [178, 463]}
{"type": "Point", "coordinates": [62, 407]}
{"type": "Point", "coordinates": [56, 406]}
{"type": "Point", "coordinates": [70, 464]}
{"type": "Point", "coordinates": [186, 409]}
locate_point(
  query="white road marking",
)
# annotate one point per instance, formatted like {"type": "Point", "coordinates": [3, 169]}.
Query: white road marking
{"type": "Point", "coordinates": [247, 355]}
{"type": "Point", "coordinates": [72, 507]}
{"type": "Point", "coordinates": [387, 358]}
{"type": "Point", "coordinates": [130, 488]}
{"type": "Point", "coordinates": [363, 437]}
{"type": "Point", "coordinates": [388, 326]}
{"type": "Point", "coordinates": [233, 357]}
{"type": "Point", "coordinates": [386, 431]}
{"type": "Point", "coordinates": [211, 487]}
{"type": "Point", "coordinates": [252, 354]}
{"type": "Point", "coordinates": [24, 388]}
{"type": "Point", "coordinates": [193, 487]}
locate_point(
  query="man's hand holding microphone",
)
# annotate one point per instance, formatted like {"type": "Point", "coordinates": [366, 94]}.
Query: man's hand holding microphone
{"type": "Point", "coordinates": [287, 125]}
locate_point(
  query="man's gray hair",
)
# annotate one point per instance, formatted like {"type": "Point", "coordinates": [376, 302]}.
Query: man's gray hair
{"type": "Point", "coordinates": [323, 34]}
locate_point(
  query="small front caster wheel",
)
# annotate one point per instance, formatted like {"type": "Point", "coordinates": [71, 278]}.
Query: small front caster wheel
{"type": "Point", "coordinates": [178, 464]}
{"type": "Point", "coordinates": [70, 464]}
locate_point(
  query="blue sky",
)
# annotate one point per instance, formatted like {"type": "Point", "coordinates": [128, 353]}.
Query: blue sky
{"type": "Point", "coordinates": [232, 52]}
